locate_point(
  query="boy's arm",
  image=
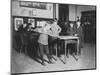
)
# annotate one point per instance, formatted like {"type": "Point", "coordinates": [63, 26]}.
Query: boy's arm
{"type": "Point", "coordinates": [49, 31]}
{"type": "Point", "coordinates": [59, 29]}
{"type": "Point", "coordinates": [40, 30]}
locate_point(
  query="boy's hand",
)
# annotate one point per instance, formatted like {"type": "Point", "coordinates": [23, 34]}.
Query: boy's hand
{"type": "Point", "coordinates": [75, 34]}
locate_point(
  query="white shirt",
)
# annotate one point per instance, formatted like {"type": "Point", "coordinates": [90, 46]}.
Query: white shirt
{"type": "Point", "coordinates": [55, 28]}
{"type": "Point", "coordinates": [43, 38]}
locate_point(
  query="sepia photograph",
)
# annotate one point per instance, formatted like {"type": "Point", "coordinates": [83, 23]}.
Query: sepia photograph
{"type": "Point", "coordinates": [52, 37]}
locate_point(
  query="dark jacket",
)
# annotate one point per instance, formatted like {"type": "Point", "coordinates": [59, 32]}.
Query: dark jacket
{"type": "Point", "coordinates": [71, 31]}
{"type": "Point", "coordinates": [79, 31]}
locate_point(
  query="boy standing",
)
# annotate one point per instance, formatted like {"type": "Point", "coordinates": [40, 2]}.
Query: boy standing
{"type": "Point", "coordinates": [79, 33]}
{"type": "Point", "coordinates": [43, 41]}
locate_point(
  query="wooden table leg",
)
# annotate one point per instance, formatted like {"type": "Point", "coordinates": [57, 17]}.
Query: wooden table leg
{"type": "Point", "coordinates": [77, 46]}
{"type": "Point", "coordinates": [65, 52]}
{"type": "Point", "coordinates": [21, 49]}
{"type": "Point", "coordinates": [56, 50]}
{"type": "Point", "coordinates": [26, 50]}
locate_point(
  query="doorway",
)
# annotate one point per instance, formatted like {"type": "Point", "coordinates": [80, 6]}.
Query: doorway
{"type": "Point", "coordinates": [89, 26]}
{"type": "Point", "coordinates": [63, 12]}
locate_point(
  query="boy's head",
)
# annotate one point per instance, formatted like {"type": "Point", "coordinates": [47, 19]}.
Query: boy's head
{"type": "Point", "coordinates": [71, 24]}
{"type": "Point", "coordinates": [24, 25]}
{"type": "Point", "coordinates": [78, 23]}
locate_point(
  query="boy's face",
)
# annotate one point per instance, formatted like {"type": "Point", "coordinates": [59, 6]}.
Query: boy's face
{"type": "Point", "coordinates": [71, 24]}
{"type": "Point", "coordinates": [24, 25]}
{"type": "Point", "coordinates": [78, 23]}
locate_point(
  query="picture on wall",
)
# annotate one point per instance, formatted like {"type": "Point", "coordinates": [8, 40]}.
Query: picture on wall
{"type": "Point", "coordinates": [17, 23]}
{"type": "Point", "coordinates": [32, 21]}
{"type": "Point", "coordinates": [40, 23]}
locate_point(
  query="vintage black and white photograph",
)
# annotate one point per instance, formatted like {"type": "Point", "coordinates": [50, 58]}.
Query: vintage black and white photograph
{"type": "Point", "coordinates": [52, 37]}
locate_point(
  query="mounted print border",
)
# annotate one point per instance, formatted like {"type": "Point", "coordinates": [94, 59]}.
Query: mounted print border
{"type": "Point", "coordinates": [66, 51]}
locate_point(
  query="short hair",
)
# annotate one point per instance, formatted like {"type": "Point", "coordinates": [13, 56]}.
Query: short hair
{"type": "Point", "coordinates": [29, 24]}
{"type": "Point", "coordinates": [55, 19]}
{"type": "Point", "coordinates": [50, 22]}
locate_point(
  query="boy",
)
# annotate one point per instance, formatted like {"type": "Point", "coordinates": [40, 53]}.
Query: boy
{"type": "Point", "coordinates": [43, 41]}
{"type": "Point", "coordinates": [79, 33]}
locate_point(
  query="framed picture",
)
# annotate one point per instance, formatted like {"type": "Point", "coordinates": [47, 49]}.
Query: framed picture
{"type": "Point", "coordinates": [32, 21]}
{"type": "Point", "coordinates": [17, 23]}
{"type": "Point", "coordinates": [40, 23]}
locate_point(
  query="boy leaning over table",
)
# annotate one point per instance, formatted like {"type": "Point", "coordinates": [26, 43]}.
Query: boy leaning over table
{"type": "Point", "coordinates": [43, 41]}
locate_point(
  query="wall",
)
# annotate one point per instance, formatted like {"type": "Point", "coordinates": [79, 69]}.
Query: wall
{"type": "Point", "coordinates": [57, 11]}
{"type": "Point", "coordinates": [72, 12]}
{"type": "Point", "coordinates": [84, 8]}
{"type": "Point", "coordinates": [75, 10]}
{"type": "Point", "coordinates": [25, 11]}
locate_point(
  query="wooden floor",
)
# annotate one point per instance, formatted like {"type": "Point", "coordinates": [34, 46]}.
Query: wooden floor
{"type": "Point", "coordinates": [22, 63]}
